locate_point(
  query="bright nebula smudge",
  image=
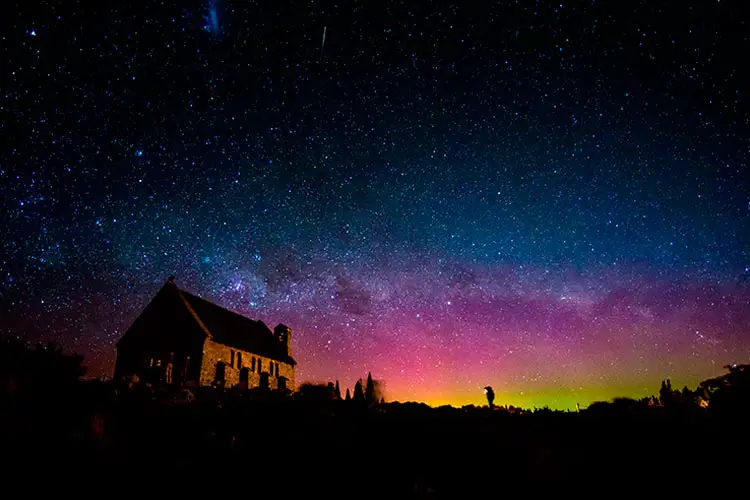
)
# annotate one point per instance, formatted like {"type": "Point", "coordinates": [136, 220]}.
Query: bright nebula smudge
{"type": "Point", "coordinates": [212, 18]}
{"type": "Point", "coordinates": [548, 199]}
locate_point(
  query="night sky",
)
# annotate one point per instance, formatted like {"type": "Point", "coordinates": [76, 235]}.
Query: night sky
{"type": "Point", "coordinates": [551, 198]}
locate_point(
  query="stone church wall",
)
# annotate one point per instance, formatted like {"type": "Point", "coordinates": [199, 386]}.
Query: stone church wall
{"type": "Point", "coordinates": [214, 353]}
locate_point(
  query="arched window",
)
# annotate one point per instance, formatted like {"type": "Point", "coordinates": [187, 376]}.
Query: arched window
{"type": "Point", "coordinates": [252, 369]}
{"type": "Point", "coordinates": [239, 360]}
{"type": "Point", "coordinates": [231, 358]}
{"type": "Point", "coordinates": [220, 372]}
{"type": "Point", "coordinates": [260, 365]}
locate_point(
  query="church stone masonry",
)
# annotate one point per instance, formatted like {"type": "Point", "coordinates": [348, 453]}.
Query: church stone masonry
{"type": "Point", "coordinates": [182, 339]}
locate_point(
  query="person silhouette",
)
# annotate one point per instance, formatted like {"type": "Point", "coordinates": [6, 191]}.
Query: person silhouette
{"type": "Point", "coordinates": [490, 396]}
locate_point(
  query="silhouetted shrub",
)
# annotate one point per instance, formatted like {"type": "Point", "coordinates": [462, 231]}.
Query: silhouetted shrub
{"type": "Point", "coordinates": [41, 370]}
{"type": "Point", "coordinates": [316, 392]}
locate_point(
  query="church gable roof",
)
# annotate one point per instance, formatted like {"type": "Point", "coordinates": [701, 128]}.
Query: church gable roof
{"type": "Point", "coordinates": [235, 330]}
{"type": "Point", "coordinates": [217, 323]}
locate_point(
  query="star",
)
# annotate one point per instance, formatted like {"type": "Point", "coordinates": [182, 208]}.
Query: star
{"type": "Point", "coordinates": [452, 200]}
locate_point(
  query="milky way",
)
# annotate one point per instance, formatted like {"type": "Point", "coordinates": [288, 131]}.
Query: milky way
{"type": "Point", "coordinates": [551, 199]}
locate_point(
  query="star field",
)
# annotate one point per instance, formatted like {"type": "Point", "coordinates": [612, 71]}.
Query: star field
{"type": "Point", "coordinates": [551, 198]}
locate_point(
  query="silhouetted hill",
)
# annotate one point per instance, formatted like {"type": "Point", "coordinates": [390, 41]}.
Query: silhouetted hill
{"type": "Point", "coordinates": [94, 433]}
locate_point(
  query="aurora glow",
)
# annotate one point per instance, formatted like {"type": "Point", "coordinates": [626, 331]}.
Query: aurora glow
{"type": "Point", "coordinates": [552, 200]}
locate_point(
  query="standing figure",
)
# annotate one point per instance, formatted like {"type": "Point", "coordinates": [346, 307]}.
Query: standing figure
{"type": "Point", "coordinates": [490, 396]}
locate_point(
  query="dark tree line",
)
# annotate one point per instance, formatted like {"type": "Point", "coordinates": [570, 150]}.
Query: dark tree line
{"type": "Point", "coordinates": [727, 394]}
{"type": "Point", "coordinates": [102, 428]}
{"type": "Point", "coordinates": [369, 393]}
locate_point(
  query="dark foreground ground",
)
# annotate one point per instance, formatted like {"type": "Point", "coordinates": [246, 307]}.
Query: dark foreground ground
{"type": "Point", "coordinates": [228, 444]}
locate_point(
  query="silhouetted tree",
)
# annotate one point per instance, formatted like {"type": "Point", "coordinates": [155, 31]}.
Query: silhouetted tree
{"type": "Point", "coordinates": [359, 395]}
{"type": "Point", "coordinates": [337, 391]}
{"type": "Point", "coordinates": [667, 396]}
{"type": "Point", "coordinates": [663, 392]}
{"type": "Point", "coordinates": [348, 395]}
{"type": "Point", "coordinates": [370, 390]}
{"type": "Point", "coordinates": [688, 397]}
{"type": "Point", "coordinates": [729, 393]}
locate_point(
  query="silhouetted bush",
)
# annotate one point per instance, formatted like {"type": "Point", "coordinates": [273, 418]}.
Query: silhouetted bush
{"type": "Point", "coordinates": [316, 392]}
{"type": "Point", "coordinates": [34, 371]}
